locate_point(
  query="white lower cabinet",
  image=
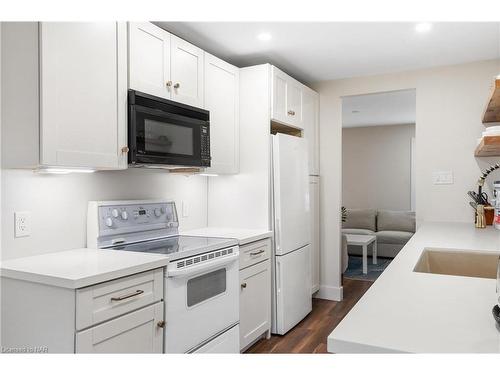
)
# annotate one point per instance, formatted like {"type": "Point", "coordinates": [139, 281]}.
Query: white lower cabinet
{"type": "Point", "coordinates": [124, 315]}
{"type": "Point", "coordinates": [255, 295]}
{"type": "Point", "coordinates": [136, 332]}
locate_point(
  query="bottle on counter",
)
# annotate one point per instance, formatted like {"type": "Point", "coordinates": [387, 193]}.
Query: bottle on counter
{"type": "Point", "coordinates": [496, 204]}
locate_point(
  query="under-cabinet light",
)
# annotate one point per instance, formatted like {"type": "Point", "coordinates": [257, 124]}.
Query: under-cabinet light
{"type": "Point", "coordinates": [63, 170]}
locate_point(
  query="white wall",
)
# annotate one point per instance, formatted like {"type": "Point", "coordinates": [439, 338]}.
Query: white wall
{"type": "Point", "coordinates": [450, 102]}
{"type": "Point", "coordinates": [58, 203]}
{"type": "Point", "coordinates": [376, 167]}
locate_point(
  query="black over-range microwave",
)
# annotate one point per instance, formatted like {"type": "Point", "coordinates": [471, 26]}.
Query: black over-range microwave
{"type": "Point", "coordinates": [163, 133]}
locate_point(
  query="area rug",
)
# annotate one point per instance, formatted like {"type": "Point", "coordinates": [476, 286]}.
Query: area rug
{"type": "Point", "coordinates": [355, 268]}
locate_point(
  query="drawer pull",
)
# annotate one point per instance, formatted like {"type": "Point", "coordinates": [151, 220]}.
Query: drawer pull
{"type": "Point", "coordinates": [244, 285]}
{"type": "Point", "coordinates": [257, 253]}
{"type": "Point", "coordinates": [130, 295]}
{"type": "Point", "coordinates": [161, 324]}
{"type": "Point", "coordinates": [291, 113]}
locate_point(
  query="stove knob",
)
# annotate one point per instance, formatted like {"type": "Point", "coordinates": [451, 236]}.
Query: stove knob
{"type": "Point", "coordinates": [157, 212]}
{"type": "Point", "coordinates": [109, 222]}
{"type": "Point", "coordinates": [124, 215]}
{"type": "Point", "coordinates": [114, 212]}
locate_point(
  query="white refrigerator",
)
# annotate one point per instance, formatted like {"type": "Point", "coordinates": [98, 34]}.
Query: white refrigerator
{"type": "Point", "coordinates": [291, 224]}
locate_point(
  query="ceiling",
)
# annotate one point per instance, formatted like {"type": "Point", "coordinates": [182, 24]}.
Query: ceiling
{"type": "Point", "coordinates": [322, 51]}
{"type": "Point", "coordinates": [387, 108]}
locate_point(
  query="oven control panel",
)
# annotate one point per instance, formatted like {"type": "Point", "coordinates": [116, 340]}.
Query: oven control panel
{"type": "Point", "coordinates": [137, 215]}
{"type": "Point", "coordinates": [112, 222]}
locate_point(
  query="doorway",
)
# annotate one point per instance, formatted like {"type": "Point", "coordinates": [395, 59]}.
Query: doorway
{"type": "Point", "coordinates": [378, 179]}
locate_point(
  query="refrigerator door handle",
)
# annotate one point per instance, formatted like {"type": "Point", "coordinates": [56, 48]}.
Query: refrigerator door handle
{"type": "Point", "coordinates": [278, 235]}
{"type": "Point", "coordinates": [278, 279]}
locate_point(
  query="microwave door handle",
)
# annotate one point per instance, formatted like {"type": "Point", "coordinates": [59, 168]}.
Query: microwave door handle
{"type": "Point", "coordinates": [203, 267]}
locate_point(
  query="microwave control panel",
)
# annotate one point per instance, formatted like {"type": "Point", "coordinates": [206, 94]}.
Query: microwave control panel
{"type": "Point", "coordinates": [205, 146]}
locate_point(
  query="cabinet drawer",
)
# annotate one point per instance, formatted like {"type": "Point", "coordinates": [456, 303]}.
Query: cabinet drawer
{"type": "Point", "coordinates": [137, 332]}
{"type": "Point", "coordinates": [254, 252]}
{"type": "Point", "coordinates": [105, 301]}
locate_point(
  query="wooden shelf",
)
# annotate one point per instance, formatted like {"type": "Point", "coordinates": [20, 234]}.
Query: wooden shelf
{"type": "Point", "coordinates": [489, 146]}
{"type": "Point", "coordinates": [277, 127]}
{"type": "Point", "coordinates": [492, 111]}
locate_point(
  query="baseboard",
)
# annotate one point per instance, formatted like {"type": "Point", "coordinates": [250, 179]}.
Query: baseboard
{"type": "Point", "coordinates": [332, 293]}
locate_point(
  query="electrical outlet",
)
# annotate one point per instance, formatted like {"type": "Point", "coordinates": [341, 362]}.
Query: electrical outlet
{"type": "Point", "coordinates": [22, 222]}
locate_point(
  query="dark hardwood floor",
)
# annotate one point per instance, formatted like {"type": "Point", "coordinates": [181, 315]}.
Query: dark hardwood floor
{"type": "Point", "coordinates": [310, 335]}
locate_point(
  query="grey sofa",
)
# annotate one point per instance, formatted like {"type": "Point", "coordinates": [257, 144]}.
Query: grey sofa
{"type": "Point", "coordinates": [392, 228]}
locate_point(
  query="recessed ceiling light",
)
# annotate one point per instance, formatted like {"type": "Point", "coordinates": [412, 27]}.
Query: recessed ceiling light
{"type": "Point", "coordinates": [264, 37]}
{"type": "Point", "coordinates": [423, 27]}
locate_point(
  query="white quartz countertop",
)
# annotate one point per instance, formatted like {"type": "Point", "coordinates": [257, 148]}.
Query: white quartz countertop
{"type": "Point", "coordinates": [79, 268]}
{"type": "Point", "coordinates": [242, 235]}
{"type": "Point", "coordinates": [406, 311]}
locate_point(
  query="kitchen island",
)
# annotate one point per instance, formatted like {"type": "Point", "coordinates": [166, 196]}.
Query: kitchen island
{"type": "Point", "coordinates": [415, 312]}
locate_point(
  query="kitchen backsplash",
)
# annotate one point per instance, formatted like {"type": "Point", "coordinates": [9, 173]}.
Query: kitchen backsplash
{"type": "Point", "coordinates": [58, 203]}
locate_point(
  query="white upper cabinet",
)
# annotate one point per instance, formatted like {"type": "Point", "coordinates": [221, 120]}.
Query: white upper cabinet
{"type": "Point", "coordinates": [164, 65]}
{"type": "Point", "coordinates": [83, 94]}
{"type": "Point", "coordinates": [149, 59]}
{"type": "Point", "coordinates": [310, 117]}
{"type": "Point", "coordinates": [294, 103]}
{"type": "Point", "coordinates": [287, 99]}
{"type": "Point", "coordinates": [222, 100]}
{"type": "Point", "coordinates": [186, 72]}
{"type": "Point", "coordinates": [279, 108]}
{"type": "Point", "coordinates": [64, 95]}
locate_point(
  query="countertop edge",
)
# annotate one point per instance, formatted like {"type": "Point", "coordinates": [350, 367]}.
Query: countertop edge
{"type": "Point", "coordinates": [256, 238]}
{"type": "Point", "coordinates": [85, 281]}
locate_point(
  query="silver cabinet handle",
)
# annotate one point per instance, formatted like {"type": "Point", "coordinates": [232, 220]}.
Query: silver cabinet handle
{"type": "Point", "coordinates": [161, 324]}
{"type": "Point", "coordinates": [177, 85]}
{"type": "Point", "coordinates": [257, 253]}
{"type": "Point", "coordinates": [291, 113]}
{"type": "Point", "coordinates": [244, 285]}
{"type": "Point", "coordinates": [169, 83]}
{"type": "Point", "coordinates": [125, 149]}
{"type": "Point", "coordinates": [130, 295]}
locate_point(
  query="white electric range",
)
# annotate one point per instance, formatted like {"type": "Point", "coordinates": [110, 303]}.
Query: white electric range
{"type": "Point", "coordinates": [201, 279]}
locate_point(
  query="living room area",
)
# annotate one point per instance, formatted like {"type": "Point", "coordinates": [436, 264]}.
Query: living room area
{"type": "Point", "coordinates": [378, 180]}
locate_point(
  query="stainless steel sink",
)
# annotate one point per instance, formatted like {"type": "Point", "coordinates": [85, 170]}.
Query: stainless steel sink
{"type": "Point", "coordinates": [458, 263]}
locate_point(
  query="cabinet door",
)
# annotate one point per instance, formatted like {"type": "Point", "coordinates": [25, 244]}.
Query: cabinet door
{"type": "Point", "coordinates": [255, 302]}
{"type": "Point", "coordinates": [310, 120]}
{"type": "Point", "coordinates": [222, 100]}
{"type": "Point", "coordinates": [279, 99]}
{"type": "Point", "coordinates": [186, 72]}
{"type": "Point", "coordinates": [83, 94]}
{"type": "Point", "coordinates": [136, 332]}
{"type": "Point", "coordinates": [149, 59]}
{"type": "Point", "coordinates": [315, 249]}
{"type": "Point", "coordinates": [294, 103]}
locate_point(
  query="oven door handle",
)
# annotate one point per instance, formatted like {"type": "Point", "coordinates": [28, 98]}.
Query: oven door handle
{"type": "Point", "coordinates": [203, 267]}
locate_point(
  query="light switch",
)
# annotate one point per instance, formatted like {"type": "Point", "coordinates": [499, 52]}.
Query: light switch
{"type": "Point", "coordinates": [442, 178]}
{"type": "Point", "coordinates": [185, 209]}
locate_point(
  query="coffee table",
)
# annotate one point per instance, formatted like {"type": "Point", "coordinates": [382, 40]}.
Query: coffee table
{"type": "Point", "coordinates": [364, 240]}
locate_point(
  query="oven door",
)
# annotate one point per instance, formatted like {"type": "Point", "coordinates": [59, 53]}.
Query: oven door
{"type": "Point", "coordinates": [162, 138]}
{"type": "Point", "coordinates": [201, 302]}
